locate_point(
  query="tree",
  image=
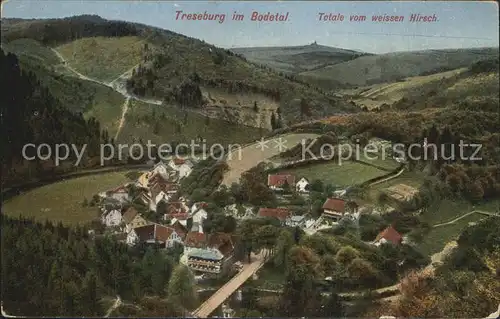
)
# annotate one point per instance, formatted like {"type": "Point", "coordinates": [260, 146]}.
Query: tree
{"type": "Point", "coordinates": [346, 254]}
{"type": "Point", "coordinates": [284, 243]}
{"type": "Point", "coordinates": [181, 288]}
{"type": "Point", "coordinates": [274, 122]}
{"type": "Point", "coordinates": [89, 295]}
{"type": "Point", "coordinates": [300, 296]}
{"type": "Point", "coordinates": [266, 236]}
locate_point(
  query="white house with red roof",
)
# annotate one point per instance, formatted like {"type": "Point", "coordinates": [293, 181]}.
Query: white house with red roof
{"type": "Point", "coordinates": [334, 208]}
{"type": "Point", "coordinates": [277, 181]}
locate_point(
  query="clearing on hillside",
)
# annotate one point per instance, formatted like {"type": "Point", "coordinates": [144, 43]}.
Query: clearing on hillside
{"type": "Point", "coordinates": [374, 96]}
{"type": "Point", "coordinates": [62, 201]}
{"type": "Point", "coordinates": [242, 160]}
{"type": "Point", "coordinates": [103, 58]}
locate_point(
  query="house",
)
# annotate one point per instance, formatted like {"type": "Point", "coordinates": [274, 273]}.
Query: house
{"type": "Point", "coordinates": [161, 192]}
{"type": "Point", "coordinates": [277, 181]}
{"type": "Point", "coordinates": [295, 221]}
{"type": "Point", "coordinates": [282, 214]}
{"type": "Point", "coordinates": [132, 219]}
{"type": "Point", "coordinates": [216, 257]}
{"type": "Point", "coordinates": [120, 194]}
{"type": "Point", "coordinates": [199, 216]}
{"type": "Point", "coordinates": [239, 211]}
{"type": "Point", "coordinates": [180, 229]}
{"type": "Point", "coordinates": [388, 235]}
{"type": "Point", "coordinates": [302, 185]}
{"type": "Point", "coordinates": [177, 207]}
{"type": "Point", "coordinates": [154, 234]}
{"type": "Point", "coordinates": [197, 206]}
{"type": "Point", "coordinates": [183, 166]}
{"type": "Point", "coordinates": [194, 239]}
{"type": "Point", "coordinates": [182, 218]}
{"type": "Point", "coordinates": [161, 169]}
{"type": "Point", "coordinates": [334, 208]}
{"type": "Point", "coordinates": [111, 218]}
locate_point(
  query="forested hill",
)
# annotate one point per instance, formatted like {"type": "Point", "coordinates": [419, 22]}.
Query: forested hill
{"type": "Point", "coordinates": [31, 114]}
{"type": "Point", "coordinates": [176, 65]}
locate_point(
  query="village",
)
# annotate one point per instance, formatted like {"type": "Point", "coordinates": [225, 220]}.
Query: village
{"type": "Point", "coordinates": [170, 221]}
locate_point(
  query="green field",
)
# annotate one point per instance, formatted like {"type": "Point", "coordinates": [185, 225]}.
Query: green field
{"type": "Point", "coordinates": [347, 174]}
{"type": "Point", "coordinates": [165, 124]}
{"type": "Point", "coordinates": [103, 58]}
{"type": "Point", "coordinates": [62, 201]}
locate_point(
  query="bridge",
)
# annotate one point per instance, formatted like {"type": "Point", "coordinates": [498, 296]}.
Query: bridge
{"type": "Point", "coordinates": [257, 261]}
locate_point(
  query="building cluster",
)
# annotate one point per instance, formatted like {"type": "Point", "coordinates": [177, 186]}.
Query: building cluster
{"type": "Point", "coordinates": [181, 222]}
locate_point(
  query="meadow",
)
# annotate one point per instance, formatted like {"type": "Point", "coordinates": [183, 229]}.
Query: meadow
{"type": "Point", "coordinates": [63, 201]}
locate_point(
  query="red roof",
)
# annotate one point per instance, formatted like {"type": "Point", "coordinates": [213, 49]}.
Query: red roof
{"type": "Point", "coordinates": [279, 179]}
{"type": "Point", "coordinates": [176, 208]}
{"type": "Point", "coordinates": [335, 204]}
{"type": "Point", "coordinates": [154, 232]}
{"type": "Point", "coordinates": [391, 235]}
{"type": "Point", "coordinates": [195, 239]}
{"type": "Point", "coordinates": [279, 213]}
{"type": "Point", "coordinates": [163, 232]}
{"type": "Point", "coordinates": [180, 229]}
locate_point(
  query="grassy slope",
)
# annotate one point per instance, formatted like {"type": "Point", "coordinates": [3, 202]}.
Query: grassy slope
{"type": "Point", "coordinates": [347, 174]}
{"type": "Point", "coordinates": [78, 95]}
{"type": "Point", "coordinates": [296, 58]}
{"type": "Point", "coordinates": [393, 66]}
{"type": "Point", "coordinates": [140, 124]}
{"type": "Point", "coordinates": [103, 58]}
{"type": "Point", "coordinates": [62, 201]}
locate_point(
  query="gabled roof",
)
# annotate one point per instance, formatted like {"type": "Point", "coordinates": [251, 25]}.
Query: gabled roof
{"type": "Point", "coordinates": [145, 233]}
{"type": "Point", "coordinates": [180, 229]}
{"type": "Point", "coordinates": [335, 204]}
{"type": "Point", "coordinates": [154, 232]}
{"type": "Point", "coordinates": [279, 179]}
{"type": "Point", "coordinates": [195, 239]}
{"type": "Point", "coordinates": [175, 208]}
{"type": "Point", "coordinates": [129, 215]}
{"type": "Point", "coordinates": [279, 213]}
{"type": "Point", "coordinates": [163, 233]}
{"type": "Point", "coordinates": [390, 234]}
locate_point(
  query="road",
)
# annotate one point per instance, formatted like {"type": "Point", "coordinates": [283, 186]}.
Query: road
{"type": "Point", "coordinates": [242, 160]}
{"type": "Point", "coordinates": [117, 304]}
{"type": "Point", "coordinates": [465, 215]}
{"type": "Point", "coordinates": [118, 85]}
{"type": "Point", "coordinates": [230, 287]}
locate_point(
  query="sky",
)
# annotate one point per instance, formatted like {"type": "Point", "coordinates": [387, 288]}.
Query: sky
{"type": "Point", "coordinates": [459, 24]}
